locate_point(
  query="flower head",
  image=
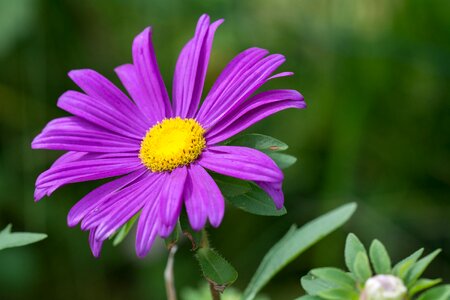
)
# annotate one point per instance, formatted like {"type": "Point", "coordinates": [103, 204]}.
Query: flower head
{"type": "Point", "coordinates": [384, 287]}
{"type": "Point", "coordinates": [162, 149]}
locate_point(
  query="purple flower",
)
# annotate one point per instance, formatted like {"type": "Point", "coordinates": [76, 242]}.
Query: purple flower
{"type": "Point", "coordinates": [162, 149]}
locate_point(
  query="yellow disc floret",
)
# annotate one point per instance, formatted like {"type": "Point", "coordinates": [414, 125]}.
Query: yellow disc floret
{"type": "Point", "coordinates": [172, 143]}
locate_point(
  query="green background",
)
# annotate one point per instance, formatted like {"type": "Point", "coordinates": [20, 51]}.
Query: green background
{"type": "Point", "coordinates": [375, 75]}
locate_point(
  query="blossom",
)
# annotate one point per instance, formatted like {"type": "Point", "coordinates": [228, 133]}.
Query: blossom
{"type": "Point", "coordinates": [160, 150]}
{"type": "Point", "coordinates": [384, 287]}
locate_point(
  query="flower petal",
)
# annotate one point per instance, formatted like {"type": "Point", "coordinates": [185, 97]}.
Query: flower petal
{"type": "Point", "coordinates": [95, 198]}
{"type": "Point", "coordinates": [114, 204]}
{"type": "Point", "coordinates": [203, 199]}
{"type": "Point", "coordinates": [127, 203]}
{"type": "Point", "coordinates": [96, 245]}
{"type": "Point", "coordinates": [241, 162]}
{"type": "Point", "coordinates": [90, 166]}
{"type": "Point", "coordinates": [275, 192]}
{"type": "Point", "coordinates": [228, 76]}
{"type": "Point", "coordinates": [191, 68]}
{"type": "Point", "coordinates": [155, 100]}
{"type": "Point", "coordinates": [171, 196]}
{"type": "Point", "coordinates": [106, 94]}
{"type": "Point", "coordinates": [242, 80]}
{"type": "Point", "coordinates": [75, 134]}
{"type": "Point", "coordinates": [89, 109]}
{"type": "Point", "coordinates": [148, 226]}
{"type": "Point", "coordinates": [252, 111]}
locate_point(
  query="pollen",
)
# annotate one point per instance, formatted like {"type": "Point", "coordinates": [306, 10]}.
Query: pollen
{"type": "Point", "coordinates": [172, 143]}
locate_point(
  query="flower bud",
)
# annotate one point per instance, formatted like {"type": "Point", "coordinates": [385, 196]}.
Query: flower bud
{"type": "Point", "coordinates": [384, 287]}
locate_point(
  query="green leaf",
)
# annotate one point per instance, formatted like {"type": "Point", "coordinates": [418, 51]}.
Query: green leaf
{"type": "Point", "coordinates": [173, 238]}
{"type": "Point", "coordinates": [380, 258]}
{"type": "Point", "coordinates": [196, 237]}
{"type": "Point", "coordinates": [437, 293]}
{"type": "Point", "coordinates": [361, 267]}
{"type": "Point", "coordinates": [215, 268]}
{"type": "Point", "coordinates": [423, 284]}
{"type": "Point", "coordinates": [418, 268]}
{"type": "Point", "coordinates": [10, 239]}
{"type": "Point", "coordinates": [257, 202]}
{"type": "Point", "coordinates": [295, 242]}
{"type": "Point", "coordinates": [353, 246]}
{"type": "Point", "coordinates": [124, 230]}
{"type": "Point", "coordinates": [309, 297]}
{"type": "Point", "coordinates": [401, 269]}
{"type": "Point", "coordinates": [339, 294]}
{"type": "Point", "coordinates": [313, 285]}
{"type": "Point", "coordinates": [282, 160]}
{"type": "Point", "coordinates": [231, 187]}
{"type": "Point", "coordinates": [335, 276]}
{"type": "Point", "coordinates": [258, 141]}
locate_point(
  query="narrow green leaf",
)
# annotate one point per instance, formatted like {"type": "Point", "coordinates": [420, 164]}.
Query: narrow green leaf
{"type": "Point", "coordinates": [10, 239]}
{"type": "Point", "coordinates": [423, 284]}
{"type": "Point", "coordinates": [313, 285]}
{"type": "Point", "coordinates": [381, 261]}
{"type": "Point", "coordinates": [215, 268]}
{"type": "Point", "coordinates": [282, 160]}
{"type": "Point", "coordinates": [339, 294]}
{"type": "Point", "coordinates": [124, 230]}
{"type": "Point", "coordinates": [335, 276]}
{"type": "Point", "coordinates": [419, 267]}
{"type": "Point", "coordinates": [295, 242]}
{"type": "Point", "coordinates": [257, 202]}
{"type": "Point", "coordinates": [258, 141]}
{"type": "Point", "coordinates": [231, 187]}
{"type": "Point", "coordinates": [352, 247]}
{"type": "Point", "coordinates": [401, 269]}
{"type": "Point", "coordinates": [361, 267]}
{"type": "Point", "coordinates": [437, 293]}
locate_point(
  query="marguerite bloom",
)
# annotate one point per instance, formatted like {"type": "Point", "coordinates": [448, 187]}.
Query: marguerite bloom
{"type": "Point", "coordinates": [161, 149]}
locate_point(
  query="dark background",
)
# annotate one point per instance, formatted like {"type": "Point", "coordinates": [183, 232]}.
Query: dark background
{"type": "Point", "coordinates": [375, 75]}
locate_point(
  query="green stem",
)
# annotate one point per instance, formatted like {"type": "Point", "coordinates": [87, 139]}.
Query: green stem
{"type": "Point", "coordinates": [168, 275]}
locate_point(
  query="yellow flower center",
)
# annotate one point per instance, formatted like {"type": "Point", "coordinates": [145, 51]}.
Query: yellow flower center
{"type": "Point", "coordinates": [172, 143]}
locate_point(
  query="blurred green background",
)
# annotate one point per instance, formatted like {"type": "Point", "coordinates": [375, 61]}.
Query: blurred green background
{"type": "Point", "coordinates": [376, 77]}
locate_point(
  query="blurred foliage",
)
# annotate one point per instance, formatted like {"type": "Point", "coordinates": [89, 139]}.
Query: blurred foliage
{"type": "Point", "coordinates": [375, 75]}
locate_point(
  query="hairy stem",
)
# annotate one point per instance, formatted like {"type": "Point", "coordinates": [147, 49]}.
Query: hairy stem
{"type": "Point", "coordinates": [214, 293]}
{"type": "Point", "coordinates": [168, 275]}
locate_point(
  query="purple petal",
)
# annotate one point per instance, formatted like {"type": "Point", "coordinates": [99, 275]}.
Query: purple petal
{"type": "Point", "coordinates": [203, 199]}
{"type": "Point", "coordinates": [238, 88]}
{"type": "Point", "coordinates": [171, 196]}
{"type": "Point", "coordinates": [166, 230]}
{"type": "Point", "coordinates": [128, 76]}
{"type": "Point", "coordinates": [75, 134]}
{"type": "Point", "coordinates": [91, 166]}
{"type": "Point", "coordinates": [282, 74]}
{"type": "Point", "coordinates": [252, 111]}
{"type": "Point", "coordinates": [228, 77]}
{"type": "Point", "coordinates": [94, 111]}
{"type": "Point", "coordinates": [95, 198]}
{"type": "Point", "coordinates": [96, 245]}
{"type": "Point", "coordinates": [127, 203]}
{"type": "Point", "coordinates": [241, 162]}
{"type": "Point", "coordinates": [154, 101]}
{"type": "Point", "coordinates": [106, 94]}
{"type": "Point", "coordinates": [275, 192]}
{"type": "Point", "coordinates": [147, 228]}
{"type": "Point", "coordinates": [191, 69]}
